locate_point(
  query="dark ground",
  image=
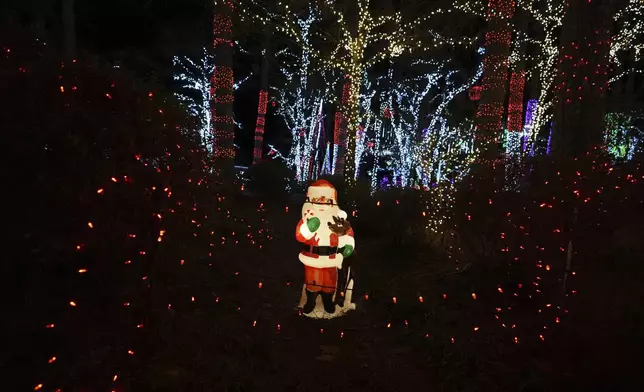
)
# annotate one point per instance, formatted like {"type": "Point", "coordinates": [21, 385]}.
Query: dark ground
{"type": "Point", "coordinates": [494, 313]}
{"type": "Point", "coordinates": [402, 347]}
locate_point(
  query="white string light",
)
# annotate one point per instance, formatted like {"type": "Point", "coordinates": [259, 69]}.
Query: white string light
{"type": "Point", "coordinates": [193, 78]}
{"type": "Point", "coordinates": [550, 18]}
{"type": "Point", "coordinates": [629, 36]}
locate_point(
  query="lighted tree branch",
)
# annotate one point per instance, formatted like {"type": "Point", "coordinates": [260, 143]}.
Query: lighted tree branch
{"type": "Point", "coordinates": [550, 20]}
{"type": "Point", "coordinates": [631, 33]}
{"type": "Point", "coordinates": [194, 91]}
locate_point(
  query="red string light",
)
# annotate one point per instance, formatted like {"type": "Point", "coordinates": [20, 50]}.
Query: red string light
{"type": "Point", "coordinates": [222, 82]}
{"type": "Point", "coordinates": [336, 128]}
{"type": "Point", "coordinates": [259, 127]}
{"type": "Point", "coordinates": [340, 127]}
{"type": "Point", "coordinates": [500, 9]}
{"type": "Point", "coordinates": [475, 93]}
{"type": "Point", "coordinates": [222, 85]}
{"type": "Point", "coordinates": [222, 29]}
{"type": "Point", "coordinates": [515, 104]}
{"type": "Point", "coordinates": [489, 117]}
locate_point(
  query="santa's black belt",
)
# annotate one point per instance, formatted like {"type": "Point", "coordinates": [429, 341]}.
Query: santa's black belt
{"type": "Point", "coordinates": [321, 250]}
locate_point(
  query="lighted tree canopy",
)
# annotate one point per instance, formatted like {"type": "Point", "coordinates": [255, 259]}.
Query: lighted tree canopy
{"type": "Point", "coordinates": [407, 95]}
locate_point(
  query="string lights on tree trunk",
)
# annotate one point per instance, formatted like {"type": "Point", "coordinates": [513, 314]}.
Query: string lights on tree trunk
{"type": "Point", "coordinates": [489, 117]}
{"type": "Point", "coordinates": [194, 91]}
{"type": "Point", "coordinates": [550, 19]}
{"type": "Point", "coordinates": [262, 102]}
{"type": "Point", "coordinates": [259, 127]}
{"type": "Point", "coordinates": [222, 86]}
{"type": "Point", "coordinates": [583, 71]}
{"type": "Point", "coordinates": [340, 128]}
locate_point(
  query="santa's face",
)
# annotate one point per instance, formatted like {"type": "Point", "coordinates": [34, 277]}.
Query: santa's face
{"type": "Point", "coordinates": [321, 207]}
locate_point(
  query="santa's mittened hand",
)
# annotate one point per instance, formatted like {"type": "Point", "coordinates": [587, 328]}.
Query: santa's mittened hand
{"type": "Point", "coordinates": [347, 251]}
{"type": "Point", "coordinates": [313, 224]}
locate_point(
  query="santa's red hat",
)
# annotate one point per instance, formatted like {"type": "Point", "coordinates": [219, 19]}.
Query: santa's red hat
{"type": "Point", "coordinates": [322, 189]}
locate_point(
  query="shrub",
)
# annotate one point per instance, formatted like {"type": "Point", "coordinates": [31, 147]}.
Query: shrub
{"type": "Point", "coordinates": [101, 169]}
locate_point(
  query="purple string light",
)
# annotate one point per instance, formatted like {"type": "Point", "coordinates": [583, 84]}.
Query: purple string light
{"type": "Point", "coordinates": [530, 112]}
{"type": "Point", "coordinates": [549, 138]}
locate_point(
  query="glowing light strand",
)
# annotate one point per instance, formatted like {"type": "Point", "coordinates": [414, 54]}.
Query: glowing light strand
{"type": "Point", "coordinates": [489, 116]}
{"type": "Point", "coordinates": [631, 32]}
{"type": "Point", "coordinates": [194, 91]}
{"type": "Point", "coordinates": [550, 19]}
{"type": "Point", "coordinates": [222, 84]}
{"type": "Point", "coordinates": [425, 150]}
{"type": "Point", "coordinates": [349, 56]}
{"type": "Point", "coordinates": [299, 106]}
{"type": "Point", "coordinates": [259, 127]}
{"type": "Point", "coordinates": [515, 128]}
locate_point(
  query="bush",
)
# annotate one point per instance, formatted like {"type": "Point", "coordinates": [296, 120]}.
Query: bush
{"type": "Point", "coordinates": [101, 170]}
{"type": "Point", "coordinates": [521, 239]}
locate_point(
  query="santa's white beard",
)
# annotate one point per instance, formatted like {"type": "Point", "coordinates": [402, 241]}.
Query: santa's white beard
{"type": "Point", "coordinates": [325, 216]}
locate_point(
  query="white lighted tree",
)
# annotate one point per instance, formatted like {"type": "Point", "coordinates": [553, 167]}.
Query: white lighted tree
{"type": "Point", "coordinates": [299, 105]}
{"type": "Point", "coordinates": [441, 146]}
{"type": "Point", "coordinates": [410, 95]}
{"type": "Point", "coordinates": [194, 91]}
{"type": "Point", "coordinates": [351, 30]}
{"type": "Point", "coordinates": [629, 37]}
{"type": "Point", "coordinates": [549, 16]}
{"type": "Point", "coordinates": [391, 36]}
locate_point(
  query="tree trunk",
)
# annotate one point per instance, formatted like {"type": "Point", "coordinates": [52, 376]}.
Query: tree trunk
{"type": "Point", "coordinates": [351, 127]}
{"type": "Point", "coordinates": [69, 28]}
{"type": "Point", "coordinates": [222, 89]}
{"type": "Point", "coordinates": [350, 96]}
{"type": "Point", "coordinates": [517, 81]}
{"type": "Point", "coordinates": [513, 151]}
{"type": "Point", "coordinates": [489, 117]}
{"type": "Point", "coordinates": [515, 108]}
{"type": "Point", "coordinates": [340, 130]}
{"type": "Point", "coordinates": [262, 105]}
{"type": "Point", "coordinates": [582, 77]}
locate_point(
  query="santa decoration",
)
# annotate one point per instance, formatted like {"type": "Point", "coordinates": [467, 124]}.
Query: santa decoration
{"type": "Point", "coordinates": [327, 241]}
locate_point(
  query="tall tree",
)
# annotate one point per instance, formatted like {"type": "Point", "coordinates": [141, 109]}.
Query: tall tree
{"type": "Point", "coordinates": [341, 124]}
{"type": "Point", "coordinates": [263, 101]}
{"type": "Point", "coordinates": [355, 37]}
{"type": "Point", "coordinates": [547, 17]}
{"type": "Point", "coordinates": [222, 86]}
{"type": "Point", "coordinates": [301, 96]}
{"type": "Point", "coordinates": [515, 104]}
{"type": "Point", "coordinates": [583, 76]}
{"type": "Point", "coordinates": [358, 39]}
{"type": "Point", "coordinates": [489, 117]}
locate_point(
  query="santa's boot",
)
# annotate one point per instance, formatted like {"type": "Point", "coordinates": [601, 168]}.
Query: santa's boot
{"type": "Point", "coordinates": [339, 298]}
{"type": "Point", "coordinates": [327, 301]}
{"type": "Point", "coordinates": [311, 296]}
